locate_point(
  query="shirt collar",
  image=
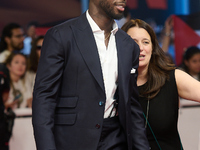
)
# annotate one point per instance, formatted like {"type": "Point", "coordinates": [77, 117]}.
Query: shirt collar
{"type": "Point", "coordinates": [95, 27]}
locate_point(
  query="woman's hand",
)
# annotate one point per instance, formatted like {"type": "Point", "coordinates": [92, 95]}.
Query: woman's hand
{"type": "Point", "coordinates": [29, 102]}
{"type": "Point", "coordinates": [12, 104]}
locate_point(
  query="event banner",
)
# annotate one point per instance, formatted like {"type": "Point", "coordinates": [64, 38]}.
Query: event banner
{"type": "Point", "coordinates": [152, 4]}
{"type": "Point", "coordinates": [187, 33]}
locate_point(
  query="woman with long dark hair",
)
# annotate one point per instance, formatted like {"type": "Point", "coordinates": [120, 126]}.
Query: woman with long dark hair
{"type": "Point", "coordinates": [160, 84]}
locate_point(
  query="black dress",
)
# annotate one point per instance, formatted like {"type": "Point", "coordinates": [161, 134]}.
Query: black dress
{"type": "Point", "coordinates": [163, 116]}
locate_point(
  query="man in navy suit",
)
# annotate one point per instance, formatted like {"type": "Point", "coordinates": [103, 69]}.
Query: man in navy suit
{"type": "Point", "coordinates": [85, 95]}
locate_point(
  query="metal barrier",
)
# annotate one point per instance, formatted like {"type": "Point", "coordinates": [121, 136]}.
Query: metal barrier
{"type": "Point", "coordinates": [22, 136]}
{"type": "Point", "coordinates": [189, 124]}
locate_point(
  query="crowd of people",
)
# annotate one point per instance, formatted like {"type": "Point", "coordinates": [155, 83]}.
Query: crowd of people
{"type": "Point", "coordinates": [65, 84]}
{"type": "Point", "coordinates": [18, 70]}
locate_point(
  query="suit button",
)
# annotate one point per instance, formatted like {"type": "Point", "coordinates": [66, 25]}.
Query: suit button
{"type": "Point", "coordinates": [97, 126]}
{"type": "Point", "coordinates": [101, 103]}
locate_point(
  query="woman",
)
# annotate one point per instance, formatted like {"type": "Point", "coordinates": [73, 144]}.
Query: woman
{"type": "Point", "coordinates": [20, 94]}
{"type": "Point", "coordinates": [34, 59]}
{"type": "Point", "coordinates": [191, 62]}
{"type": "Point", "coordinates": [160, 86]}
{"type": "Point", "coordinates": [191, 65]}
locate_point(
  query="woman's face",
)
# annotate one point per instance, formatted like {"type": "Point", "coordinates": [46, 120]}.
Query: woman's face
{"type": "Point", "coordinates": [143, 39]}
{"type": "Point", "coordinates": [193, 64]}
{"type": "Point", "coordinates": [18, 65]}
{"type": "Point", "coordinates": [39, 46]}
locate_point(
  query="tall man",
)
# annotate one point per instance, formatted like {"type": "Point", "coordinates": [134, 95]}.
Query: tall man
{"type": "Point", "coordinates": [85, 95]}
{"type": "Point", "coordinates": [12, 39]}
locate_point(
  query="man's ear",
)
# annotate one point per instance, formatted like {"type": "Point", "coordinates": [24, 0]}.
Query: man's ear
{"type": "Point", "coordinates": [7, 40]}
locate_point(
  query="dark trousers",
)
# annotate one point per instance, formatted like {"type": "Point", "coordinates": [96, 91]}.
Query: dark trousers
{"type": "Point", "coordinates": [112, 136]}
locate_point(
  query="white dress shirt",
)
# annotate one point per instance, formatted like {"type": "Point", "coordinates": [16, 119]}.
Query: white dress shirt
{"type": "Point", "coordinates": [109, 62]}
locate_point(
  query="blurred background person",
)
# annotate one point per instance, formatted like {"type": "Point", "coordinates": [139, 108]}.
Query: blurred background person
{"type": "Point", "coordinates": [34, 59]}
{"type": "Point", "coordinates": [30, 36]}
{"type": "Point", "coordinates": [12, 39]}
{"type": "Point", "coordinates": [191, 65]}
{"type": "Point", "coordinates": [191, 62]}
{"type": "Point", "coordinates": [4, 90]}
{"type": "Point", "coordinates": [20, 94]}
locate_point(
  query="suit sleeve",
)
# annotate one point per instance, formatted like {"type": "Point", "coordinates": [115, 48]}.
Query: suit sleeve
{"type": "Point", "coordinates": [138, 131]}
{"type": "Point", "coordinates": [48, 78]}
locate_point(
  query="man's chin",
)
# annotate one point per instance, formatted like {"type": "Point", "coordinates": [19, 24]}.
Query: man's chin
{"type": "Point", "coordinates": [19, 48]}
{"type": "Point", "coordinates": [119, 16]}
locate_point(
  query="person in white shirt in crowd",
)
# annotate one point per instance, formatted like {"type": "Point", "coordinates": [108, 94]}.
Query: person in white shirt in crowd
{"type": "Point", "coordinates": [20, 94]}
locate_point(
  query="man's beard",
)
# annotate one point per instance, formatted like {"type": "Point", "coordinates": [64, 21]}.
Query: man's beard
{"type": "Point", "coordinates": [17, 47]}
{"type": "Point", "coordinates": [109, 10]}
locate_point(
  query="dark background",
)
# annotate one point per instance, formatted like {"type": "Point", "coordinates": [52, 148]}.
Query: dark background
{"type": "Point", "coordinates": [51, 12]}
{"type": "Point", "coordinates": [42, 11]}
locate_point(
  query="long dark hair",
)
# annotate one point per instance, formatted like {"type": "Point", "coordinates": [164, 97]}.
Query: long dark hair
{"type": "Point", "coordinates": [34, 58]}
{"type": "Point", "coordinates": [159, 65]}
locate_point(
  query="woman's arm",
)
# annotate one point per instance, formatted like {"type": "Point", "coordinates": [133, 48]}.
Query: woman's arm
{"type": "Point", "coordinates": [167, 34]}
{"type": "Point", "coordinates": [188, 87]}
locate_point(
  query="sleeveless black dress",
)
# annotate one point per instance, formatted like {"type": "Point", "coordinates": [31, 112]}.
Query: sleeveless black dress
{"type": "Point", "coordinates": [163, 116]}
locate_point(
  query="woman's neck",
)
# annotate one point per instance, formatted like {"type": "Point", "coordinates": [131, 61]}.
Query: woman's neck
{"type": "Point", "coordinates": [142, 76]}
{"type": "Point", "coordinates": [14, 78]}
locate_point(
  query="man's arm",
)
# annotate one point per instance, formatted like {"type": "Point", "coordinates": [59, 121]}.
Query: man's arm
{"type": "Point", "coordinates": [138, 131]}
{"type": "Point", "coordinates": [48, 79]}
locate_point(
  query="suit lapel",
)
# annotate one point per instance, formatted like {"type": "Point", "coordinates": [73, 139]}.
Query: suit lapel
{"type": "Point", "coordinates": [87, 46]}
{"type": "Point", "coordinates": [123, 53]}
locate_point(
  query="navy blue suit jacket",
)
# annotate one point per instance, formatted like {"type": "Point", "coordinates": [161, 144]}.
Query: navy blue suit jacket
{"type": "Point", "coordinates": [69, 93]}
